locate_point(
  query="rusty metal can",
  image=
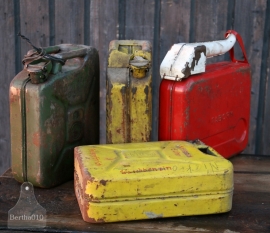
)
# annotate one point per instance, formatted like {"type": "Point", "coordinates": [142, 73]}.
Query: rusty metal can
{"type": "Point", "coordinates": [122, 182]}
{"type": "Point", "coordinates": [212, 105]}
{"type": "Point", "coordinates": [129, 91]}
{"type": "Point", "coordinates": [54, 106]}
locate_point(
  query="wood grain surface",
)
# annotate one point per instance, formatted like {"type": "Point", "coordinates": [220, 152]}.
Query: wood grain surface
{"type": "Point", "coordinates": [250, 211]}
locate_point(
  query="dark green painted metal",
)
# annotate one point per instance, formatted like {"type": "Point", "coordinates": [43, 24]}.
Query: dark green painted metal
{"type": "Point", "coordinates": [24, 133]}
{"type": "Point", "coordinates": [49, 119]}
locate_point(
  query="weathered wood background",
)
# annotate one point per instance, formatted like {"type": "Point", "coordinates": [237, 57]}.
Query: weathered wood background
{"type": "Point", "coordinates": [163, 22]}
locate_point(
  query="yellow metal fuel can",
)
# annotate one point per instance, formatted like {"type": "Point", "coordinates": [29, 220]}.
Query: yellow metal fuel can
{"type": "Point", "coordinates": [129, 91]}
{"type": "Point", "coordinates": [132, 181]}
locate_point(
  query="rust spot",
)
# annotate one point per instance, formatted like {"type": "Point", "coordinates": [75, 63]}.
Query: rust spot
{"type": "Point", "coordinates": [12, 98]}
{"type": "Point", "coordinates": [186, 71]}
{"type": "Point", "coordinates": [123, 90]}
{"type": "Point", "coordinates": [134, 90]}
{"type": "Point", "coordinates": [92, 220]}
{"type": "Point", "coordinates": [197, 55]}
{"type": "Point", "coordinates": [146, 91]}
{"type": "Point", "coordinates": [36, 139]}
{"type": "Point", "coordinates": [103, 182]}
{"type": "Point", "coordinates": [197, 51]}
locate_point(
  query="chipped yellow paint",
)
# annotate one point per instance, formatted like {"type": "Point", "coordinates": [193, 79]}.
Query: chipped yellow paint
{"type": "Point", "coordinates": [79, 181]}
{"type": "Point", "coordinates": [117, 115]}
{"type": "Point", "coordinates": [140, 111]}
{"type": "Point", "coordinates": [160, 208]}
{"type": "Point", "coordinates": [144, 54]}
{"type": "Point", "coordinates": [153, 179]}
{"type": "Point", "coordinates": [129, 93]}
{"type": "Point", "coordinates": [118, 59]}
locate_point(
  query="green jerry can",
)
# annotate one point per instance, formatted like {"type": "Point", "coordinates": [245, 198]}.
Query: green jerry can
{"type": "Point", "coordinates": [129, 91]}
{"type": "Point", "coordinates": [54, 107]}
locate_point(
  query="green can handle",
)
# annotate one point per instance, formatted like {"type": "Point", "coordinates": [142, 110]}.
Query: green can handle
{"type": "Point", "coordinates": [71, 54]}
{"type": "Point", "coordinates": [64, 51]}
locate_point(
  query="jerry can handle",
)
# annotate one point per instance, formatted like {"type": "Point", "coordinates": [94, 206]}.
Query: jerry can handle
{"type": "Point", "coordinates": [46, 50]}
{"type": "Point", "coordinates": [56, 50]}
{"type": "Point", "coordinates": [241, 44]}
{"type": "Point", "coordinates": [40, 65]}
{"type": "Point", "coordinates": [52, 49]}
{"type": "Point", "coordinates": [114, 44]}
{"type": "Point", "coordinates": [72, 54]}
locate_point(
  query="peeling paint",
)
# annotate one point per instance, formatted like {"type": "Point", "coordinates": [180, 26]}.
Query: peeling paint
{"type": "Point", "coordinates": [186, 71]}
{"type": "Point", "coordinates": [129, 99]}
{"type": "Point", "coordinates": [186, 59]}
{"type": "Point", "coordinates": [135, 188]}
{"type": "Point", "coordinates": [197, 55]}
{"type": "Point", "coordinates": [103, 182]}
{"type": "Point", "coordinates": [150, 214]}
{"type": "Point", "coordinates": [133, 90]}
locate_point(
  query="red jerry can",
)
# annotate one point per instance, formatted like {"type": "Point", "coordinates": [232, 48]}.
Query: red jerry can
{"type": "Point", "coordinates": [213, 104]}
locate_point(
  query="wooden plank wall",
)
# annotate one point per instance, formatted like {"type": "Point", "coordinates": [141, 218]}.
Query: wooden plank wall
{"type": "Point", "coordinates": [163, 22]}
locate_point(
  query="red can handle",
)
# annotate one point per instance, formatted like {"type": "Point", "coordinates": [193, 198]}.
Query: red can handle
{"type": "Point", "coordinates": [240, 42]}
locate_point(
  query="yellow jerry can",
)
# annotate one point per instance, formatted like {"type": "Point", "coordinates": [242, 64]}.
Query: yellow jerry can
{"type": "Point", "coordinates": [129, 91]}
{"type": "Point", "coordinates": [131, 181]}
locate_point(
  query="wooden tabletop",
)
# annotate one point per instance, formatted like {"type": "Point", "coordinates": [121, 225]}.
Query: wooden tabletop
{"type": "Point", "coordinates": [250, 211]}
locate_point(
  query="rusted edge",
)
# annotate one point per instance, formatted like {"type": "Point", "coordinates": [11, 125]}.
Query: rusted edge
{"type": "Point", "coordinates": [92, 220]}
